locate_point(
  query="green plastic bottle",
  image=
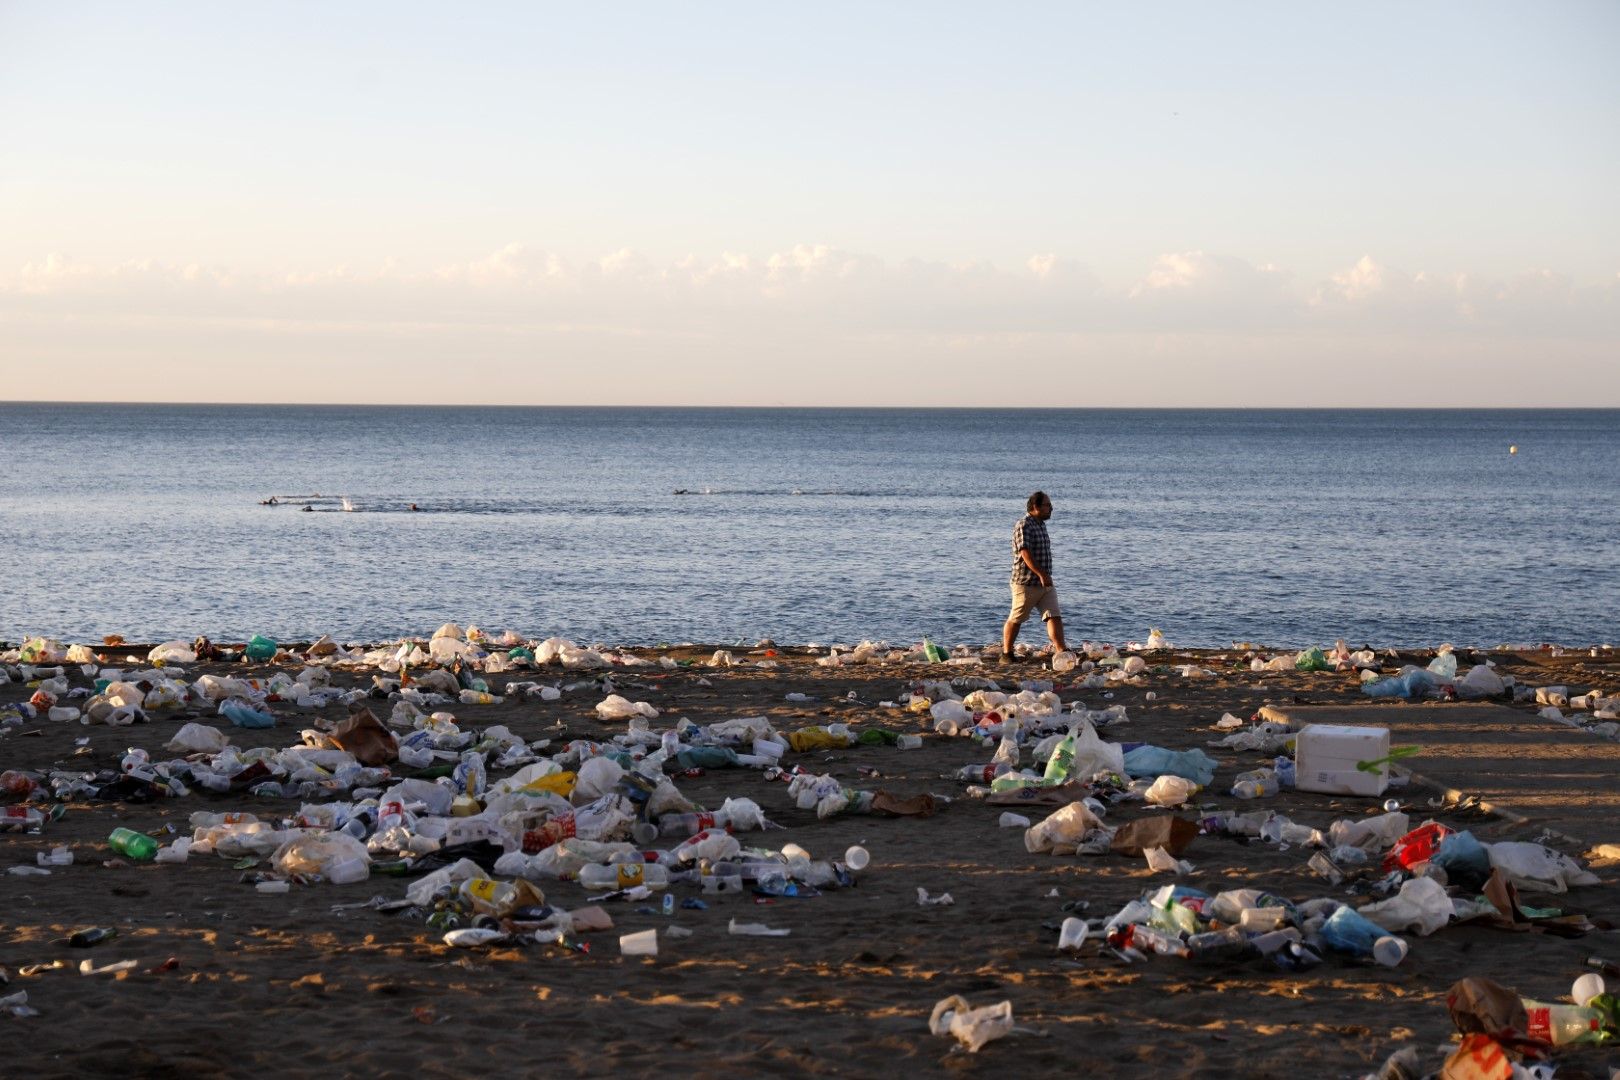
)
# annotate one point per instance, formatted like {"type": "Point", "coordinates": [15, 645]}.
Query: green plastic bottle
{"type": "Point", "coordinates": [134, 845]}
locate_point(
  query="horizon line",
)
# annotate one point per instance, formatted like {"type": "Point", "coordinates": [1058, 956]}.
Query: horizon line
{"type": "Point", "coordinates": [786, 407]}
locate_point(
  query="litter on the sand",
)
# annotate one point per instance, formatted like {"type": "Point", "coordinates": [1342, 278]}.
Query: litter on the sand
{"type": "Point", "coordinates": [359, 764]}
{"type": "Point", "coordinates": [973, 1028]}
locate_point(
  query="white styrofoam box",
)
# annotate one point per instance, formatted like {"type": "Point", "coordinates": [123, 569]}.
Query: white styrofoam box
{"type": "Point", "coordinates": [1325, 757]}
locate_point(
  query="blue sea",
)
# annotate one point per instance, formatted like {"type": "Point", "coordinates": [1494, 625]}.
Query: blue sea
{"type": "Point", "coordinates": [1406, 527]}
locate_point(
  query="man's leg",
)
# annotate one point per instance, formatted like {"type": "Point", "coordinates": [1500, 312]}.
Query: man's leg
{"type": "Point", "coordinates": [1054, 630]}
{"type": "Point", "coordinates": [1022, 605]}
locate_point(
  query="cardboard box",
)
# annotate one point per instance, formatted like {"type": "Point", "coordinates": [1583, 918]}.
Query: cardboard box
{"type": "Point", "coordinates": [1325, 757]}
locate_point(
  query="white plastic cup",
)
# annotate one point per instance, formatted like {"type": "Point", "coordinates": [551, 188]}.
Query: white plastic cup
{"type": "Point", "coordinates": [1587, 987]}
{"type": "Point", "coordinates": [857, 858]}
{"type": "Point", "coordinates": [795, 853]}
{"type": "Point", "coordinates": [1072, 934]}
{"type": "Point", "coordinates": [767, 748]}
{"type": "Point", "coordinates": [643, 833]}
{"type": "Point", "coordinates": [1010, 820]}
{"type": "Point", "coordinates": [642, 943]}
{"type": "Point", "coordinates": [1389, 951]}
{"type": "Point", "coordinates": [909, 742]}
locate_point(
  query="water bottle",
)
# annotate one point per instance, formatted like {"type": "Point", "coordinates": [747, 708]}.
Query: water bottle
{"type": "Point", "coordinates": [623, 875]}
{"type": "Point", "coordinates": [1228, 944]}
{"type": "Point", "coordinates": [390, 814]}
{"type": "Point", "coordinates": [1146, 939]}
{"type": "Point", "coordinates": [982, 774]}
{"type": "Point", "coordinates": [1562, 1025]}
{"type": "Point", "coordinates": [684, 824]}
{"type": "Point", "coordinates": [19, 817]}
{"type": "Point", "coordinates": [131, 844]}
{"type": "Point", "coordinates": [1255, 789]}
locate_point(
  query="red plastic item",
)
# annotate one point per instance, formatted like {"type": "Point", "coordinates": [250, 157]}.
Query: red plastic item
{"type": "Point", "coordinates": [1415, 847]}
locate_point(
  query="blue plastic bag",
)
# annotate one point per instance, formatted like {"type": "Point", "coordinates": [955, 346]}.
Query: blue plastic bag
{"type": "Point", "coordinates": [245, 716]}
{"type": "Point", "coordinates": [1464, 859]}
{"type": "Point", "coordinates": [1348, 931]}
{"type": "Point", "coordinates": [1194, 765]}
{"type": "Point", "coordinates": [1411, 682]}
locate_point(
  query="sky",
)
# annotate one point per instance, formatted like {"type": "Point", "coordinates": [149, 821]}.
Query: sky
{"type": "Point", "coordinates": [1162, 204]}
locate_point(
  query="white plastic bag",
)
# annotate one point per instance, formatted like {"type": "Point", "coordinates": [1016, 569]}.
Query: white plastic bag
{"type": "Point", "coordinates": [614, 707]}
{"type": "Point", "coordinates": [1421, 906]}
{"type": "Point", "coordinates": [1170, 790]}
{"type": "Point", "coordinates": [198, 739]}
{"type": "Point", "coordinates": [1537, 868]}
{"type": "Point", "coordinates": [1481, 681]}
{"type": "Point", "coordinates": [1092, 755]}
{"type": "Point", "coordinates": [336, 856]}
{"type": "Point", "coordinates": [172, 652]}
{"type": "Point", "coordinates": [971, 1027]}
{"type": "Point", "coordinates": [1064, 828]}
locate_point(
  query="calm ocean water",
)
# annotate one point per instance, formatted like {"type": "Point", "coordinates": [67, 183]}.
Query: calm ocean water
{"type": "Point", "coordinates": [1290, 527]}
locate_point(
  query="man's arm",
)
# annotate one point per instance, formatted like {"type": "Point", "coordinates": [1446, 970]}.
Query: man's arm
{"type": "Point", "coordinates": [1044, 579]}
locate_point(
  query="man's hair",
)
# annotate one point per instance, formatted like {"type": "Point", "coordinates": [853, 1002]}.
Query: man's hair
{"type": "Point", "coordinates": [1035, 500]}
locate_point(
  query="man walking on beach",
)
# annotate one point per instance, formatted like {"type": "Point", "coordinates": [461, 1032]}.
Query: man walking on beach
{"type": "Point", "coordinates": [1032, 587]}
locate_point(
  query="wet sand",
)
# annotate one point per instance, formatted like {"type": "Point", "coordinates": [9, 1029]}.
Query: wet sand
{"type": "Point", "coordinates": [283, 984]}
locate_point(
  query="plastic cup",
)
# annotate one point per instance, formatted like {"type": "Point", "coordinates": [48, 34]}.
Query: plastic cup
{"type": "Point", "coordinates": [857, 858]}
{"type": "Point", "coordinates": [1072, 934]}
{"type": "Point", "coordinates": [768, 748]}
{"type": "Point", "coordinates": [1010, 820]}
{"type": "Point", "coordinates": [909, 742]}
{"type": "Point", "coordinates": [1389, 951]}
{"type": "Point", "coordinates": [643, 833]}
{"type": "Point", "coordinates": [642, 943]}
{"type": "Point", "coordinates": [1587, 987]}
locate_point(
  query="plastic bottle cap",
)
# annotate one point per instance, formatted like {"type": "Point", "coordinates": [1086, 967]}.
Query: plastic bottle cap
{"type": "Point", "coordinates": [857, 858]}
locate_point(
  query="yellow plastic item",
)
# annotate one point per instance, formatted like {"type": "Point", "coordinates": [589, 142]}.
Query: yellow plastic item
{"type": "Point", "coordinates": [815, 739]}
{"type": "Point", "coordinates": [558, 783]}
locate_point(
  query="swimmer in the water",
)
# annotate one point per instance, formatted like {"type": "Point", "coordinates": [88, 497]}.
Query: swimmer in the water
{"type": "Point", "coordinates": [308, 509]}
{"type": "Point", "coordinates": [415, 507]}
{"type": "Point", "coordinates": [271, 501]}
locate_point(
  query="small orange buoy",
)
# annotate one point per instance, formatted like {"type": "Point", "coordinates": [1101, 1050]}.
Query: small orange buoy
{"type": "Point", "coordinates": [1513, 449]}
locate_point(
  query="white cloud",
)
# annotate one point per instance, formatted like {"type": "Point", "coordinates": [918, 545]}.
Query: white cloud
{"type": "Point", "coordinates": [864, 323]}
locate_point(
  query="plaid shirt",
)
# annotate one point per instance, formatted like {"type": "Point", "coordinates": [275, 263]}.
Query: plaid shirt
{"type": "Point", "coordinates": [1030, 533]}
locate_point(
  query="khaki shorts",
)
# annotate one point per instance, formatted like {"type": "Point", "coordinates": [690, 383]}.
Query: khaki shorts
{"type": "Point", "coordinates": [1027, 598]}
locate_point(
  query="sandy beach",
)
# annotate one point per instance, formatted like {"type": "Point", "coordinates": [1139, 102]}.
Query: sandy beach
{"type": "Point", "coordinates": [307, 983]}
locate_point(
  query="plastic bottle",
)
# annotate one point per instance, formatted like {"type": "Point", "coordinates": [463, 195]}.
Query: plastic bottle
{"type": "Point", "coordinates": [479, 697]}
{"type": "Point", "coordinates": [1061, 763]}
{"type": "Point", "coordinates": [19, 817]}
{"type": "Point", "coordinates": [1146, 939]}
{"type": "Point", "coordinates": [623, 876]}
{"type": "Point", "coordinates": [134, 845]}
{"type": "Point", "coordinates": [1255, 789]}
{"type": "Point", "coordinates": [982, 774]}
{"type": "Point", "coordinates": [686, 824]}
{"type": "Point", "coordinates": [1231, 943]}
{"type": "Point", "coordinates": [1562, 1025]}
